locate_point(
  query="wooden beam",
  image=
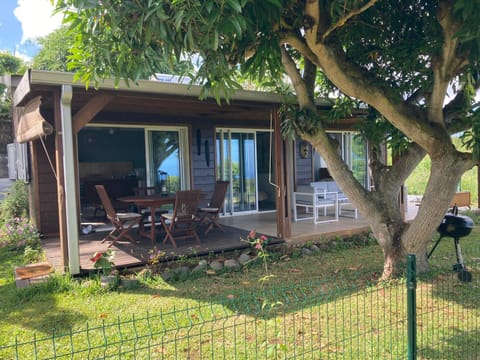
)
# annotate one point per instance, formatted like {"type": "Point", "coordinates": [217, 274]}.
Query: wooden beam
{"type": "Point", "coordinates": [22, 90]}
{"type": "Point", "coordinates": [62, 212]}
{"type": "Point", "coordinates": [89, 110]}
{"type": "Point", "coordinates": [281, 179]}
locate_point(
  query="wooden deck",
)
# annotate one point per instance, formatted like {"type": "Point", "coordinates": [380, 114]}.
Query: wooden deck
{"type": "Point", "coordinates": [236, 227]}
{"type": "Point", "coordinates": [129, 254]}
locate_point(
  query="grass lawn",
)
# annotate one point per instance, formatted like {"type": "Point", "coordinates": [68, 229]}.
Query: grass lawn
{"type": "Point", "coordinates": [337, 284]}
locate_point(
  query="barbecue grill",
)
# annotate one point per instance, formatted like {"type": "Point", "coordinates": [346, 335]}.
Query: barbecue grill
{"type": "Point", "coordinates": [456, 226]}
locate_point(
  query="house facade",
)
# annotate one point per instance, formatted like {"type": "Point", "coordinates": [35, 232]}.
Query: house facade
{"type": "Point", "coordinates": [157, 134]}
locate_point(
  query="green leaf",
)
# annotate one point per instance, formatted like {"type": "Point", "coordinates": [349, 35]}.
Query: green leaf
{"type": "Point", "coordinates": [235, 5]}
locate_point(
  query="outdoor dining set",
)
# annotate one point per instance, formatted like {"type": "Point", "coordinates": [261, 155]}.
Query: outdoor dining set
{"type": "Point", "coordinates": [180, 221]}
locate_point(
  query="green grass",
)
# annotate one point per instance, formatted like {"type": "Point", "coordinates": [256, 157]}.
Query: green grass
{"type": "Point", "coordinates": [330, 302]}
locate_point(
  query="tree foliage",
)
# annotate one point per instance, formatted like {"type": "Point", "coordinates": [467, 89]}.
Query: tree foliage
{"type": "Point", "coordinates": [54, 51]}
{"type": "Point", "coordinates": [9, 64]}
{"type": "Point", "coordinates": [56, 55]}
{"type": "Point", "coordinates": [415, 63]}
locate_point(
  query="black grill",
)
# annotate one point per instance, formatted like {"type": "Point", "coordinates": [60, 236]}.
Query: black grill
{"type": "Point", "coordinates": [456, 226]}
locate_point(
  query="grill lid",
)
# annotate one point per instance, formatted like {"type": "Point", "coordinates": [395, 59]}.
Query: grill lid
{"type": "Point", "coordinates": [455, 226]}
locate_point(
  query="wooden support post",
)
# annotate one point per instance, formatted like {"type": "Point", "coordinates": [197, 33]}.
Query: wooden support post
{"type": "Point", "coordinates": [281, 179]}
{"type": "Point", "coordinates": [62, 217]}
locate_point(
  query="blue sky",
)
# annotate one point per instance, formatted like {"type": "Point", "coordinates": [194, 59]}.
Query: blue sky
{"type": "Point", "coordinates": [21, 21]}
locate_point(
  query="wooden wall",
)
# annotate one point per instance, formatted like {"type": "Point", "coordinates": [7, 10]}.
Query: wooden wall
{"type": "Point", "coordinates": [203, 174]}
{"type": "Point", "coordinates": [44, 190]}
{"type": "Point", "coordinates": [303, 166]}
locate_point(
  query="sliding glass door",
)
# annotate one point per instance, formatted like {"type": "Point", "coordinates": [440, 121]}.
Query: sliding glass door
{"type": "Point", "coordinates": [245, 158]}
{"type": "Point", "coordinates": [353, 151]}
{"type": "Point", "coordinates": [166, 154]}
{"type": "Point", "coordinates": [236, 162]}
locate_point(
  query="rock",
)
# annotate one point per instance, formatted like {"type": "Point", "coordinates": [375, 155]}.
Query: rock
{"type": "Point", "coordinates": [167, 275]}
{"type": "Point", "coordinates": [315, 248]}
{"type": "Point", "coordinates": [307, 252]}
{"type": "Point", "coordinates": [202, 265]}
{"type": "Point", "coordinates": [244, 259]}
{"type": "Point", "coordinates": [216, 265]}
{"type": "Point", "coordinates": [232, 264]}
{"type": "Point", "coordinates": [107, 280]}
{"type": "Point", "coordinates": [182, 270]}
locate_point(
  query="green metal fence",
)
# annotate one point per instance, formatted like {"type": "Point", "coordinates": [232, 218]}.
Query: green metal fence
{"type": "Point", "coordinates": [435, 317]}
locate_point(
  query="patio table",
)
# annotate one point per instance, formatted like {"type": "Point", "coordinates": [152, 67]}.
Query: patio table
{"type": "Point", "coordinates": [151, 202]}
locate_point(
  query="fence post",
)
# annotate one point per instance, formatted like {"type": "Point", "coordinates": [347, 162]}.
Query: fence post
{"type": "Point", "coordinates": [412, 306]}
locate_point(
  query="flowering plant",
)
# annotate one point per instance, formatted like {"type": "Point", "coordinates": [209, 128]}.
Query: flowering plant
{"type": "Point", "coordinates": [103, 261]}
{"type": "Point", "coordinates": [21, 231]}
{"type": "Point", "coordinates": [259, 243]}
{"type": "Point", "coordinates": [155, 256]}
{"type": "Point", "coordinates": [154, 259]}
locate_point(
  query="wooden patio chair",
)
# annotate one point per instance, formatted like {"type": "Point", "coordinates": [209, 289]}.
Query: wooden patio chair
{"type": "Point", "coordinates": [210, 214]}
{"type": "Point", "coordinates": [122, 221]}
{"type": "Point", "coordinates": [181, 223]}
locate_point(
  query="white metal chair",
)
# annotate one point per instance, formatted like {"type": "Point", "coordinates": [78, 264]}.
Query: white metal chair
{"type": "Point", "coordinates": [315, 201]}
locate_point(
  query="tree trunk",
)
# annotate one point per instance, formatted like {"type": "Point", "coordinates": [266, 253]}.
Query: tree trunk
{"type": "Point", "coordinates": [389, 239]}
{"type": "Point", "coordinates": [381, 208]}
{"type": "Point", "coordinates": [445, 174]}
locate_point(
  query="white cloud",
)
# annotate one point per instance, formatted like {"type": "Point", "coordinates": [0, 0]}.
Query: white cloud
{"type": "Point", "coordinates": [36, 18]}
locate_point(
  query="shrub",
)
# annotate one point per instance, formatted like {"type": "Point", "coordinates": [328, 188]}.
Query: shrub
{"type": "Point", "coordinates": [15, 203]}
{"type": "Point", "coordinates": [31, 254]}
{"type": "Point", "coordinates": [20, 231]}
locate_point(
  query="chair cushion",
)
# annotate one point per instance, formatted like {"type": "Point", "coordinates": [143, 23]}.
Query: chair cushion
{"type": "Point", "coordinates": [126, 216]}
{"type": "Point", "coordinates": [207, 209]}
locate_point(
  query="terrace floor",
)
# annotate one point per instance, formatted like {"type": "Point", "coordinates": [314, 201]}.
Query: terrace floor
{"type": "Point", "coordinates": [236, 228]}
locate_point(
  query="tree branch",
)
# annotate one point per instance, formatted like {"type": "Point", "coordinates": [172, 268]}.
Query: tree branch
{"type": "Point", "coordinates": [355, 82]}
{"type": "Point", "coordinates": [289, 38]}
{"type": "Point", "coordinates": [312, 18]}
{"type": "Point", "coordinates": [304, 98]}
{"type": "Point", "coordinates": [403, 166]}
{"type": "Point", "coordinates": [347, 17]}
{"type": "Point", "coordinates": [309, 76]}
{"type": "Point", "coordinates": [447, 65]}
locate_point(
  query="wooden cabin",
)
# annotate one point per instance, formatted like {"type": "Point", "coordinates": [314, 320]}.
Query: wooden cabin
{"type": "Point", "coordinates": [157, 134]}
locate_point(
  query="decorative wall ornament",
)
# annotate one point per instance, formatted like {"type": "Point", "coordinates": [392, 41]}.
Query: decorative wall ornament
{"type": "Point", "coordinates": [304, 149]}
{"type": "Point", "coordinates": [199, 141]}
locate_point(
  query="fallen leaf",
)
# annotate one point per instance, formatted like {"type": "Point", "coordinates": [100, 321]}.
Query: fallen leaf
{"type": "Point", "coordinates": [355, 268]}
